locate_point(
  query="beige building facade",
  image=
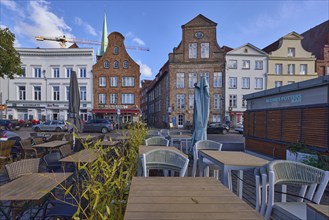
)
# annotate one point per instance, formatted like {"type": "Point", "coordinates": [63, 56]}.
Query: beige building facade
{"type": "Point", "coordinates": [289, 62]}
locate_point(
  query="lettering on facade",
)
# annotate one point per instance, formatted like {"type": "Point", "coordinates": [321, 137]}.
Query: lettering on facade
{"type": "Point", "coordinates": [113, 106]}
{"type": "Point", "coordinates": [31, 105]}
{"type": "Point", "coordinates": [287, 98]}
{"type": "Point", "coordinates": [52, 105]}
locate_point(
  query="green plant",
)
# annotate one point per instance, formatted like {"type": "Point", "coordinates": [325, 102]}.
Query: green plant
{"type": "Point", "coordinates": [299, 147]}
{"type": "Point", "coordinates": [103, 190]}
{"type": "Point", "coordinates": [321, 161]}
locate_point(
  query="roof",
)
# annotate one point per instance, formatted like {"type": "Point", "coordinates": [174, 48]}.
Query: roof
{"type": "Point", "coordinates": [323, 80]}
{"type": "Point", "coordinates": [276, 45]}
{"type": "Point", "coordinates": [250, 46]}
{"type": "Point", "coordinates": [200, 21]}
{"type": "Point", "coordinates": [316, 38]}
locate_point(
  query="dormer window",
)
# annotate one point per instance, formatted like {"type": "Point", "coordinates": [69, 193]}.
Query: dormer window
{"type": "Point", "coordinates": [116, 50]}
{"type": "Point", "coordinates": [106, 64]}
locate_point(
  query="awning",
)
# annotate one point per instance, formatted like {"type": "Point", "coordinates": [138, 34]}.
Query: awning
{"type": "Point", "coordinates": [114, 111]}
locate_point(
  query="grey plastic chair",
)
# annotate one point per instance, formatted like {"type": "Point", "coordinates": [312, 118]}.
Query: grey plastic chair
{"type": "Point", "coordinates": [313, 182]}
{"type": "Point", "coordinates": [204, 145]}
{"type": "Point", "coordinates": [160, 159]}
{"type": "Point", "coordinates": [157, 141]}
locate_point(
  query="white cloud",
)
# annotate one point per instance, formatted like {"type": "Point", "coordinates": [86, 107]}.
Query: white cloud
{"type": "Point", "coordinates": [11, 5]}
{"type": "Point", "coordinates": [88, 28]}
{"type": "Point", "coordinates": [135, 39]}
{"type": "Point", "coordinates": [17, 43]}
{"type": "Point", "coordinates": [145, 69]}
{"type": "Point", "coordinates": [42, 21]}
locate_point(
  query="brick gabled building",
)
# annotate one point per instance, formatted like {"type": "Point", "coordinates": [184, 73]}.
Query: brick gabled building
{"type": "Point", "coordinates": [116, 83]}
{"type": "Point", "coordinates": [316, 40]}
{"type": "Point", "coordinates": [143, 98]}
{"type": "Point", "coordinates": [171, 94]}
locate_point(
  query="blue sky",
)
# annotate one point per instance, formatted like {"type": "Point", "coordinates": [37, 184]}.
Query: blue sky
{"type": "Point", "coordinates": [157, 24]}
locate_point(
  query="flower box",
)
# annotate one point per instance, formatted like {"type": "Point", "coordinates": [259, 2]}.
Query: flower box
{"type": "Point", "coordinates": [298, 156]}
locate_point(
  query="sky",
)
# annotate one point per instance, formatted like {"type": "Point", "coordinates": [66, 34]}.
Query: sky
{"type": "Point", "coordinates": [156, 25]}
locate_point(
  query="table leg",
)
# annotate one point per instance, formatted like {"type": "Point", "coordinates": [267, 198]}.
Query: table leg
{"type": "Point", "coordinates": [200, 165]}
{"type": "Point", "coordinates": [225, 176]}
{"type": "Point", "coordinates": [240, 183]}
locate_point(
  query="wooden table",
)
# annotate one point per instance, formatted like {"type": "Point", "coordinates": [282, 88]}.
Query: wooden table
{"type": "Point", "coordinates": [31, 187]}
{"type": "Point", "coordinates": [84, 156]}
{"type": "Point", "coordinates": [121, 138]}
{"type": "Point", "coordinates": [230, 160]}
{"type": "Point", "coordinates": [51, 145]}
{"type": "Point", "coordinates": [183, 137]}
{"type": "Point", "coordinates": [144, 149]}
{"type": "Point", "coordinates": [109, 143]}
{"type": "Point", "coordinates": [184, 198]}
{"type": "Point", "coordinates": [317, 212]}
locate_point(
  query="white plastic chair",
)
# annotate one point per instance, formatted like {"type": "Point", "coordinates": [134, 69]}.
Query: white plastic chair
{"type": "Point", "coordinates": [204, 145]}
{"type": "Point", "coordinates": [156, 141]}
{"type": "Point", "coordinates": [160, 159]}
{"type": "Point", "coordinates": [313, 182]}
{"type": "Point", "coordinates": [261, 189]}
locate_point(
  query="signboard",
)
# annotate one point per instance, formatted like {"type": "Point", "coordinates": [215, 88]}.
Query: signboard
{"type": "Point", "coordinates": [118, 111]}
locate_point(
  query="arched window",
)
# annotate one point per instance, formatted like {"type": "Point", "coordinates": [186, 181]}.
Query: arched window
{"type": "Point", "coordinates": [116, 64]}
{"type": "Point", "coordinates": [106, 64]}
{"type": "Point", "coordinates": [125, 64]}
{"type": "Point", "coordinates": [116, 50]}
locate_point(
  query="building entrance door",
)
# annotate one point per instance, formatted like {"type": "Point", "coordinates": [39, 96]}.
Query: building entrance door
{"type": "Point", "coordinates": [180, 121]}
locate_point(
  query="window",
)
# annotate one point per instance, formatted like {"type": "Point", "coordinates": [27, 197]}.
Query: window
{"type": "Point", "coordinates": [245, 83]}
{"type": "Point", "coordinates": [192, 79]}
{"type": "Point", "coordinates": [113, 98]}
{"type": "Point", "coordinates": [217, 101]}
{"type": "Point", "coordinates": [244, 103]}
{"type": "Point", "coordinates": [258, 64]}
{"type": "Point", "coordinates": [291, 82]}
{"type": "Point", "coordinates": [116, 50]}
{"type": "Point", "coordinates": [232, 83]}
{"type": "Point", "coordinates": [327, 70]}
{"type": "Point", "coordinates": [128, 81]}
{"type": "Point", "coordinates": [114, 81]}
{"type": "Point", "coordinates": [106, 64]}
{"type": "Point", "coordinates": [116, 64]}
{"type": "Point", "coordinates": [204, 50]}
{"type": "Point", "coordinates": [206, 74]}
{"type": "Point", "coordinates": [291, 69]}
{"type": "Point", "coordinates": [102, 81]}
{"type": "Point", "coordinates": [216, 118]}
{"type": "Point", "coordinates": [232, 64]}
{"type": "Point", "coordinates": [56, 93]}
{"type": "Point", "coordinates": [37, 92]}
{"type": "Point", "coordinates": [37, 72]}
{"type": "Point", "coordinates": [278, 83]}
{"type": "Point", "coordinates": [278, 68]}
{"type": "Point", "coordinates": [68, 72]}
{"type": "Point", "coordinates": [303, 69]}
{"type": "Point", "coordinates": [21, 93]}
{"type": "Point", "coordinates": [291, 52]}
{"type": "Point", "coordinates": [125, 64]}
{"type": "Point", "coordinates": [191, 101]}
{"type": "Point", "coordinates": [218, 79]}
{"type": "Point", "coordinates": [245, 64]}
{"type": "Point", "coordinates": [128, 98]}
{"type": "Point", "coordinates": [67, 93]}
{"type": "Point", "coordinates": [192, 50]}
{"type": "Point", "coordinates": [83, 93]}
{"type": "Point", "coordinates": [232, 101]}
{"type": "Point", "coordinates": [180, 80]}
{"type": "Point", "coordinates": [102, 98]}
{"type": "Point", "coordinates": [24, 71]}
{"type": "Point", "coordinates": [56, 72]}
{"type": "Point", "coordinates": [259, 83]}
{"type": "Point", "coordinates": [83, 72]}
{"type": "Point", "coordinates": [180, 101]}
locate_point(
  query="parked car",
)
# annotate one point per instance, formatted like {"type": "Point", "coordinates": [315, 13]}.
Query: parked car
{"type": "Point", "coordinates": [53, 125]}
{"type": "Point", "coordinates": [217, 128]}
{"type": "Point", "coordinates": [98, 125]}
{"type": "Point", "coordinates": [9, 135]}
{"type": "Point", "coordinates": [10, 124]}
{"type": "Point", "coordinates": [239, 128]}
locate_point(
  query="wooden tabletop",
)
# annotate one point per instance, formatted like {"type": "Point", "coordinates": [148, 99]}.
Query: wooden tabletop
{"type": "Point", "coordinates": [183, 136]}
{"type": "Point", "coordinates": [51, 144]}
{"type": "Point", "coordinates": [235, 158]}
{"type": "Point", "coordinates": [184, 198]}
{"type": "Point", "coordinates": [121, 138]}
{"type": "Point", "coordinates": [84, 156]}
{"type": "Point", "coordinates": [31, 186]}
{"type": "Point", "coordinates": [143, 149]}
{"type": "Point", "coordinates": [321, 209]}
{"type": "Point", "coordinates": [109, 143]}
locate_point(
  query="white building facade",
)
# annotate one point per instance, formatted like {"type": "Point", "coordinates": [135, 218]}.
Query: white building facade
{"type": "Point", "coordinates": [42, 92]}
{"type": "Point", "coordinates": [246, 72]}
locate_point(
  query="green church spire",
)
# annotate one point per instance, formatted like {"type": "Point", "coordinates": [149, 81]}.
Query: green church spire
{"type": "Point", "coordinates": [104, 40]}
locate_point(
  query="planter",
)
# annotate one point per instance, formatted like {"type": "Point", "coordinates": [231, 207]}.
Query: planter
{"type": "Point", "coordinates": [299, 156]}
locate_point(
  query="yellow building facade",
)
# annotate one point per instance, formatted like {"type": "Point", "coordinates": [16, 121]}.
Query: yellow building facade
{"type": "Point", "coordinates": [289, 62]}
